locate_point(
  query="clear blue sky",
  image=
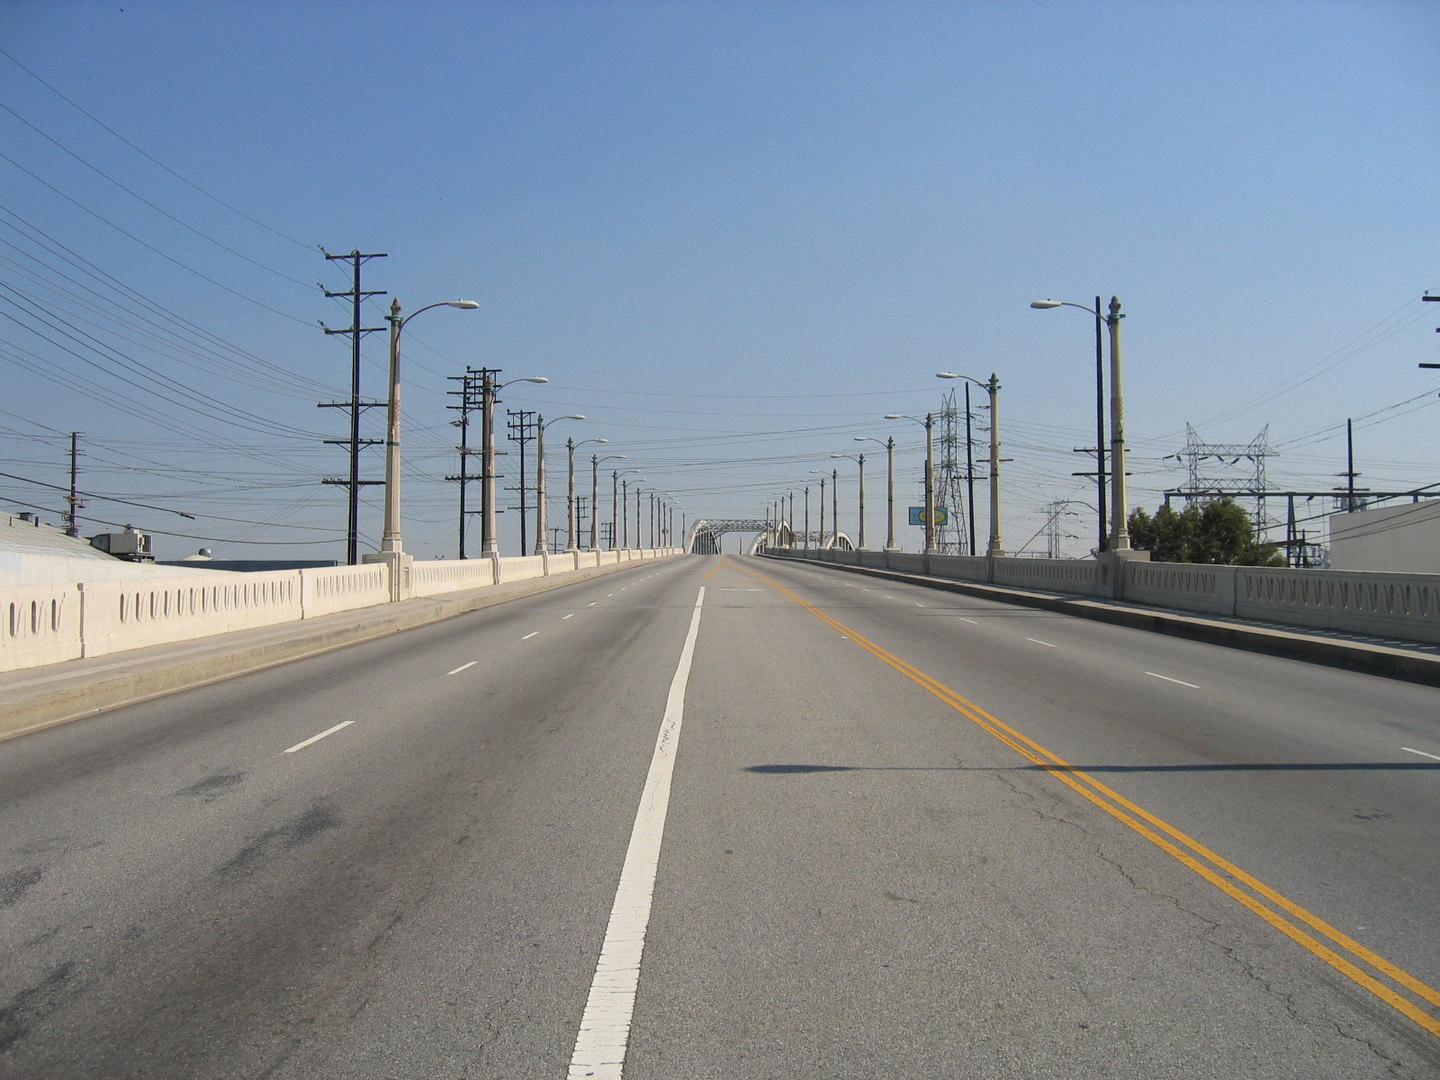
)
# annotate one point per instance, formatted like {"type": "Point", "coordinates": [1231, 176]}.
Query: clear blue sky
{"type": "Point", "coordinates": [732, 235]}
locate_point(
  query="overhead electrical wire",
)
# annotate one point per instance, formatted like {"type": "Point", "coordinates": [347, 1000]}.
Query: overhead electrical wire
{"type": "Point", "coordinates": [184, 180]}
{"type": "Point", "coordinates": [136, 195]}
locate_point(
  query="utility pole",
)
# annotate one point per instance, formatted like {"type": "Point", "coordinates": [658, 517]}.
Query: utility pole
{"type": "Point", "coordinates": [1349, 465]}
{"type": "Point", "coordinates": [471, 394]}
{"type": "Point", "coordinates": [72, 527]}
{"type": "Point", "coordinates": [357, 296]}
{"type": "Point", "coordinates": [969, 469]}
{"type": "Point", "coordinates": [521, 429]}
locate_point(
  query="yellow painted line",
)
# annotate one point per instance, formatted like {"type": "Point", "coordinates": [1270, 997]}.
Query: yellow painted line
{"type": "Point", "coordinates": [723, 566]}
{"type": "Point", "coordinates": [1128, 812]}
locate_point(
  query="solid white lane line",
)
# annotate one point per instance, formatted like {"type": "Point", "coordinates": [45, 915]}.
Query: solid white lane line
{"type": "Point", "coordinates": [462, 667]}
{"type": "Point", "coordinates": [570, 616]}
{"type": "Point", "coordinates": [972, 622]}
{"type": "Point", "coordinates": [528, 636]}
{"type": "Point", "coordinates": [317, 738]}
{"type": "Point", "coordinates": [1037, 641]}
{"type": "Point", "coordinates": [605, 1027]}
{"type": "Point", "coordinates": [1422, 753]}
{"type": "Point", "coordinates": [1167, 678]}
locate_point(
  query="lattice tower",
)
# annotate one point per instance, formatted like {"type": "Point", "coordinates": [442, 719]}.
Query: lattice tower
{"type": "Point", "coordinates": [1218, 469]}
{"type": "Point", "coordinates": [951, 538]}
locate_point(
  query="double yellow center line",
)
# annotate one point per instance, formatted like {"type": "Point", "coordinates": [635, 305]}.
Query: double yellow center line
{"type": "Point", "coordinates": [1279, 911]}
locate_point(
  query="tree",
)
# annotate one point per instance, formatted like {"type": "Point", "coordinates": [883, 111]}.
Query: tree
{"type": "Point", "coordinates": [1219, 531]}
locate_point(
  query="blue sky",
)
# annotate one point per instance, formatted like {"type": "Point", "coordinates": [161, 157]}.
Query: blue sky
{"type": "Point", "coordinates": [732, 235]}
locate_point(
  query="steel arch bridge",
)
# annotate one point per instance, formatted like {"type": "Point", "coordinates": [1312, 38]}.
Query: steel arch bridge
{"type": "Point", "coordinates": [705, 537]}
{"type": "Point", "coordinates": [705, 534]}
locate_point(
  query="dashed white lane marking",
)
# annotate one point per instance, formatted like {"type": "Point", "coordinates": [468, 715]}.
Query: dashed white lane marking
{"type": "Point", "coordinates": [592, 603]}
{"type": "Point", "coordinates": [608, 595]}
{"type": "Point", "coordinates": [570, 616]}
{"type": "Point", "coordinates": [317, 738]}
{"type": "Point", "coordinates": [972, 622]}
{"type": "Point", "coordinates": [1037, 641]}
{"type": "Point", "coordinates": [462, 667]}
{"type": "Point", "coordinates": [528, 636]}
{"type": "Point", "coordinates": [887, 596]}
{"type": "Point", "coordinates": [918, 604]}
{"type": "Point", "coordinates": [1422, 753]}
{"type": "Point", "coordinates": [605, 1028]}
{"type": "Point", "coordinates": [1167, 678]}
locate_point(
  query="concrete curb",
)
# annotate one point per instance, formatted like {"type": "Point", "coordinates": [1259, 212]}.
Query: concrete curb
{"type": "Point", "coordinates": [1295, 645]}
{"type": "Point", "coordinates": [148, 674]}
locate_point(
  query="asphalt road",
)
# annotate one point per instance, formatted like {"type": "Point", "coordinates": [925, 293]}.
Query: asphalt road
{"type": "Point", "coordinates": [907, 834]}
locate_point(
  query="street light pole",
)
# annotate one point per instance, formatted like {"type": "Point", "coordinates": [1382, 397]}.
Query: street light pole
{"type": "Point", "coordinates": [572, 542]}
{"type": "Point", "coordinates": [835, 503]}
{"type": "Point", "coordinates": [823, 477]}
{"type": "Point", "coordinates": [997, 547]}
{"type": "Point", "coordinates": [929, 425]}
{"type": "Point", "coordinates": [541, 546]}
{"type": "Point", "coordinates": [391, 549]}
{"type": "Point", "coordinates": [929, 484]}
{"type": "Point", "coordinates": [595, 460]}
{"type": "Point", "coordinates": [861, 459]}
{"type": "Point", "coordinates": [1119, 527]}
{"type": "Point", "coordinates": [489, 532]}
{"type": "Point", "coordinates": [807, 517]}
{"type": "Point", "coordinates": [1119, 509]}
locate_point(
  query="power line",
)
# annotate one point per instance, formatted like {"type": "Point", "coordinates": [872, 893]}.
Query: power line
{"type": "Point", "coordinates": [149, 157]}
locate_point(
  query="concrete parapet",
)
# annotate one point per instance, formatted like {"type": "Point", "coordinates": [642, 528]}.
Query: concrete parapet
{"type": "Point", "coordinates": [1403, 606]}
{"type": "Point", "coordinates": [58, 692]}
{"type": "Point", "coordinates": [42, 626]}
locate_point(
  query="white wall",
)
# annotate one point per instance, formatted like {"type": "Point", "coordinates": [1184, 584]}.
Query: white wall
{"type": "Point", "coordinates": [1396, 539]}
{"type": "Point", "coordinates": [49, 623]}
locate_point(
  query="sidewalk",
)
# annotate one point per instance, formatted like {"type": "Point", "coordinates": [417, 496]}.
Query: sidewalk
{"type": "Point", "coordinates": [1410, 660]}
{"type": "Point", "coordinates": [35, 698]}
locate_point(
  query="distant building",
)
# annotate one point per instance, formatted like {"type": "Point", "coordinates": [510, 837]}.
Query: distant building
{"type": "Point", "coordinates": [1402, 539]}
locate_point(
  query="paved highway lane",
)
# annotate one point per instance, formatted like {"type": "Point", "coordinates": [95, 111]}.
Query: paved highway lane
{"type": "Point", "coordinates": [854, 877]}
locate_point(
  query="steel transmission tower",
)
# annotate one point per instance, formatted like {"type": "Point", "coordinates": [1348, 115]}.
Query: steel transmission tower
{"type": "Point", "coordinates": [1234, 469]}
{"type": "Point", "coordinates": [953, 473]}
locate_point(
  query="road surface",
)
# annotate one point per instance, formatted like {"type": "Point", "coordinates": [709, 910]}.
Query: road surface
{"type": "Point", "coordinates": [864, 830]}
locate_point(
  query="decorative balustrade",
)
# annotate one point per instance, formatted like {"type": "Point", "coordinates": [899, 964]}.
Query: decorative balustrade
{"type": "Point", "coordinates": [66, 620]}
{"type": "Point", "coordinates": [1402, 606]}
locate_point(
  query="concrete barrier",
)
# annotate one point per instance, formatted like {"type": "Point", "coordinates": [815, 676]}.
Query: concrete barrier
{"type": "Point", "coordinates": [119, 615]}
{"type": "Point", "coordinates": [1401, 606]}
{"type": "Point", "coordinates": [442, 576]}
{"type": "Point", "coordinates": [327, 589]}
{"type": "Point", "coordinates": [43, 625]}
{"type": "Point", "coordinates": [51, 622]}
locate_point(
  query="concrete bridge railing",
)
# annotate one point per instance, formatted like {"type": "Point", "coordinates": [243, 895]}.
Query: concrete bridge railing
{"type": "Point", "coordinates": [1404, 606]}
{"type": "Point", "coordinates": [51, 623]}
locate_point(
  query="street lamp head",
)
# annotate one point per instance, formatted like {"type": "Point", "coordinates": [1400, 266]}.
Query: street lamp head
{"type": "Point", "coordinates": [467, 305]}
{"type": "Point", "coordinates": [1044, 305]}
{"type": "Point", "coordinates": [947, 375]}
{"type": "Point", "coordinates": [894, 416]}
{"type": "Point", "coordinates": [534, 379]}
